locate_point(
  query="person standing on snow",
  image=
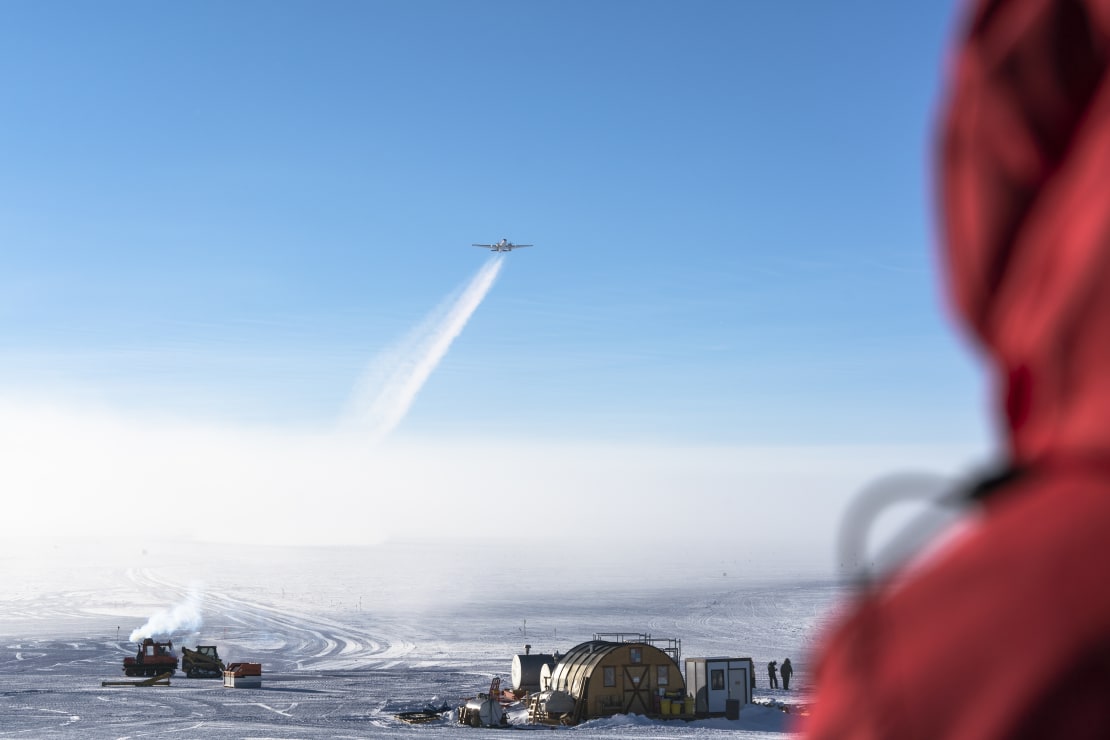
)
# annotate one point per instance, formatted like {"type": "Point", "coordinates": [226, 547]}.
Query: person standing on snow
{"type": "Point", "coordinates": [772, 679]}
{"type": "Point", "coordinates": [1025, 181]}
{"type": "Point", "coordinates": [787, 671]}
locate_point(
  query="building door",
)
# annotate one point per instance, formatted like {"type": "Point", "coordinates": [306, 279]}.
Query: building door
{"type": "Point", "coordinates": [637, 690]}
{"type": "Point", "coordinates": [717, 689]}
{"type": "Point", "coordinates": [739, 683]}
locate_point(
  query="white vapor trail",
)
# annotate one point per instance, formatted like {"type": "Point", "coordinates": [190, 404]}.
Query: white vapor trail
{"type": "Point", "coordinates": [390, 387]}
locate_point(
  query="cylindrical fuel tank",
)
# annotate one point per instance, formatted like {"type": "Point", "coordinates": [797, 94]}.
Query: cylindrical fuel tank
{"type": "Point", "coordinates": [545, 677]}
{"type": "Point", "coordinates": [527, 669]}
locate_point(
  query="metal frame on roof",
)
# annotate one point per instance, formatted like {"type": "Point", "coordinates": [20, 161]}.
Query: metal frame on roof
{"type": "Point", "coordinates": [669, 645]}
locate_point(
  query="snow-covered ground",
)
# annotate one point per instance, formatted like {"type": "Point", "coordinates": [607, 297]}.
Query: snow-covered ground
{"type": "Point", "coordinates": [350, 637]}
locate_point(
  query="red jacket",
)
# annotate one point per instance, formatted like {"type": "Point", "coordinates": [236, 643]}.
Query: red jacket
{"type": "Point", "coordinates": [1006, 633]}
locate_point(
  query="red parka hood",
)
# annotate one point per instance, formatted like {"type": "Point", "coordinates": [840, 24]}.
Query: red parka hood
{"type": "Point", "coordinates": [1025, 180]}
{"type": "Point", "coordinates": [1005, 632]}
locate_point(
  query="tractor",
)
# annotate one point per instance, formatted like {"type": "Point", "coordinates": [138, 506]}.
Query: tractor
{"type": "Point", "coordinates": [153, 659]}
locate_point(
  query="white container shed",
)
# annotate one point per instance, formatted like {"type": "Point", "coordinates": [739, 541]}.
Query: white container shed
{"type": "Point", "coordinates": [711, 682]}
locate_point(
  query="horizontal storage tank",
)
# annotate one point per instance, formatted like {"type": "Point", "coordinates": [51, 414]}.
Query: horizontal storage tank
{"type": "Point", "coordinates": [545, 677]}
{"type": "Point", "coordinates": [527, 670]}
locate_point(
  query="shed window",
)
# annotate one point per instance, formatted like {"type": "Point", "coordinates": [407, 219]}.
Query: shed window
{"type": "Point", "coordinates": [610, 676]}
{"type": "Point", "coordinates": [717, 680]}
{"type": "Point", "coordinates": [635, 654]}
{"type": "Point", "coordinates": [662, 675]}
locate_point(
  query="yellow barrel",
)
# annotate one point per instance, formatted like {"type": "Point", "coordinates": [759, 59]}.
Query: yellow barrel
{"type": "Point", "coordinates": [664, 706]}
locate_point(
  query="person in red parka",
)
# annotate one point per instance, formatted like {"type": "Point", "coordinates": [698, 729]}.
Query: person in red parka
{"type": "Point", "coordinates": [1023, 593]}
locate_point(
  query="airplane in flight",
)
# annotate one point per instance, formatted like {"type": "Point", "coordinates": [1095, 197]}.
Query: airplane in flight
{"type": "Point", "coordinates": [502, 246]}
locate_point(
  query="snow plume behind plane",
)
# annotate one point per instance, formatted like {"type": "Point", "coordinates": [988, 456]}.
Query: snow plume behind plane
{"type": "Point", "coordinates": [182, 617]}
{"type": "Point", "coordinates": [389, 387]}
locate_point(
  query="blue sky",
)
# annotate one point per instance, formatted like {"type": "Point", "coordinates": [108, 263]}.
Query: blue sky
{"type": "Point", "coordinates": [219, 213]}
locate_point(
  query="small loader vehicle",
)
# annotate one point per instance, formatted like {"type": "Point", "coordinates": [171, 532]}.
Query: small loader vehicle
{"type": "Point", "coordinates": [203, 662]}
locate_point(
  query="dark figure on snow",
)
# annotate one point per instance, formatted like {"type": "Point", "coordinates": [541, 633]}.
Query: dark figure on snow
{"type": "Point", "coordinates": [771, 677]}
{"type": "Point", "coordinates": [787, 671]}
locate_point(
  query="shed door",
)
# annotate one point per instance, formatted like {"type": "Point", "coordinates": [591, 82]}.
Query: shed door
{"type": "Point", "coordinates": [717, 685]}
{"type": "Point", "coordinates": [739, 683]}
{"type": "Point", "coordinates": [637, 689]}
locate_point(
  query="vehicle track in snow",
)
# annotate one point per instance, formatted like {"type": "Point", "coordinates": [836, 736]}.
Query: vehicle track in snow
{"type": "Point", "coordinates": [291, 638]}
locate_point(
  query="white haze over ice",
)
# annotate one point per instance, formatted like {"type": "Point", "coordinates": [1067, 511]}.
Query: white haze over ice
{"type": "Point", "coordinates": [268, 485]}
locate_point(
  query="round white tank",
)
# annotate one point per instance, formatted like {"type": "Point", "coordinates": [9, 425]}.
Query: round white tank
{"type": "Point", "coordinates": [528, 669]}
{"type": "Point", "coordinates": [545, 677]}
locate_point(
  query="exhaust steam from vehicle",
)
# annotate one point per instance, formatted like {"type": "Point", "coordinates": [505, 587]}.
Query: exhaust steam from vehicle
{"type": "Point", "coordinates": [182, 617]}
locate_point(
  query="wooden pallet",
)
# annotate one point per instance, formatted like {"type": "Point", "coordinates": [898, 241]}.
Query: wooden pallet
{"type": "Point", "coordinates": [418, 718]}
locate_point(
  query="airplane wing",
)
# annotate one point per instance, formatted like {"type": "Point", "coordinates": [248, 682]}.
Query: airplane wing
{"type": "Point", "coordinates": [487, 246]}
{"type": "Point", "coordinates": [518, 246]}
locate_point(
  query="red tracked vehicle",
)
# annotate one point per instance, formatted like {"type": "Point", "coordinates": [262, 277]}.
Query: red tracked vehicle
{"type": "Point", "coordinates": [153, 659]}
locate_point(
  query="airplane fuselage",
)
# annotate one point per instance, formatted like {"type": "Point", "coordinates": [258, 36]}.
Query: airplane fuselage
{"type": "Point", "coordinates": [502, 246]}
